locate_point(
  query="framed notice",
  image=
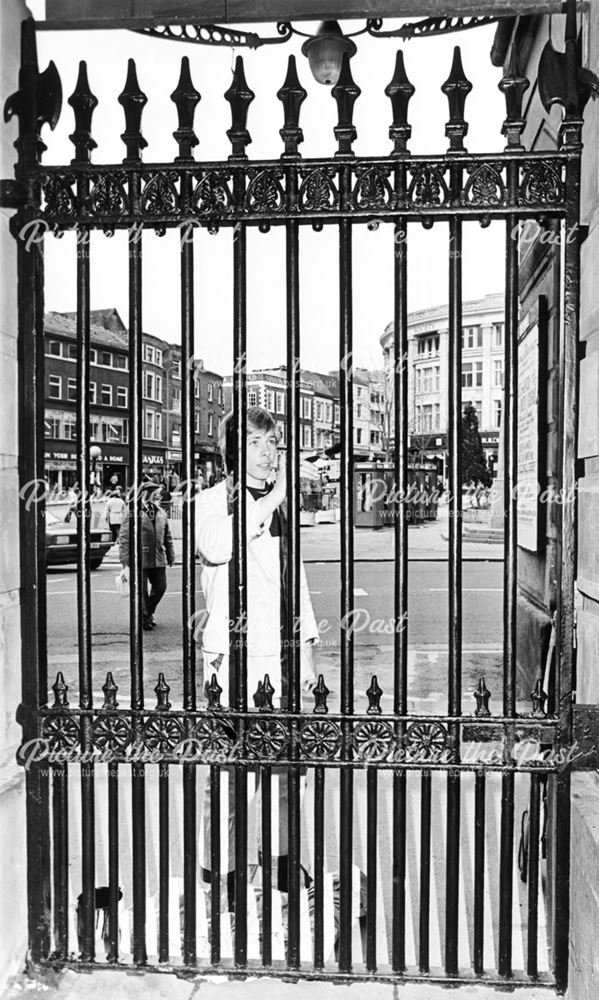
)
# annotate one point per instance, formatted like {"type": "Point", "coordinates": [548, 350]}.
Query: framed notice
{"type": "Point", "coordinates": [530, 423]}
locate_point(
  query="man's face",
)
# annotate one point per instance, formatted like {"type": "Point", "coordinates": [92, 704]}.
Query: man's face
{"type": "Point", "coordinates": [261, 455]}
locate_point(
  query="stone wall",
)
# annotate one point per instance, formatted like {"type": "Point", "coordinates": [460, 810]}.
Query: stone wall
{"type": "Point", "coordinates": [13, 915]}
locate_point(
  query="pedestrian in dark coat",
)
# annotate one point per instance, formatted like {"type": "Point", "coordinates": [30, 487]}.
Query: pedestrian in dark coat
{"type": "Point", "coordinates": [157, 550]}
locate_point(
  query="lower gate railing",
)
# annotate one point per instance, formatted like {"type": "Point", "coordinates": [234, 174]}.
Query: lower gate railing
{"type": "Point", "coordinates": [401, 828]}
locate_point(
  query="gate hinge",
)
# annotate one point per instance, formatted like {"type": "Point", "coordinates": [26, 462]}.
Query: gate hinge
{"type": "Point", "coordinates": [12, 194]}
{"type": "Point", "coordinates": [585, 738]}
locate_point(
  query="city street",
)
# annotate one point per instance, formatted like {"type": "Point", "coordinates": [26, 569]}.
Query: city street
{"type": "Point", "coordinates": [370, 623]}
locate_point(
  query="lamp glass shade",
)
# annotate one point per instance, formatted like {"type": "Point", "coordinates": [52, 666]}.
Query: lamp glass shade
{"type": "Point", "coordinates": [325, 52]}
{"type": "Point", "coordinates": [95, 452]}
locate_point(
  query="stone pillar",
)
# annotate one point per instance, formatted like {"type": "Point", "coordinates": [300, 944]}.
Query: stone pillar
{"type": "Point", "coordinates": [13, 914]}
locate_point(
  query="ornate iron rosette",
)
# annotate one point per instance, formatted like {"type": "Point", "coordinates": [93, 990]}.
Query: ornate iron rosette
{"type": "Point", "coordinates": [59, 199]}
{"type": "Point", "coordinates": [424, 739]}
{"type": "Point", "coordinates": [373, 740]}
{"type": "Point", "coordinates": [111, 732]}
{"type": "Point", "coordinates": [61, 731]}
{"type": "Point", "coordinates": [428, 187]}
{"type": "Point", "coordinates": [485, 186]}
{"type": "Point", "coordinates": [212, 197]}
{"type": "Point", "coordinates": [372, 189]}
{"type": "Point", "coordinates": [317, 191]}
{"type": "Point", "coordinates": [541, 185]}
{"type": "Point", "coordinates": [162, 732]}
{"type": "Point", "coordinates": [265, 194]}
{"type": "Point", "coordinates": [160, 197]}
{"type": "Point", "coordinates": [107, 196]}
{"type": "Point", "coordinates": [214, 740]}
{"type": "Point", "coordinates": [266, 738]}
{"type": "Point", "coordinates": [320, 739]}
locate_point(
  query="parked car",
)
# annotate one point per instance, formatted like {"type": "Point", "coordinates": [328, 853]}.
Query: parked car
{"type": "Point", "coordinates": [61, 542]}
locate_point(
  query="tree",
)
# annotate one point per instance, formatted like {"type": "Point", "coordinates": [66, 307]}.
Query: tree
{"type": "Point", "coordinates": [474, 464]}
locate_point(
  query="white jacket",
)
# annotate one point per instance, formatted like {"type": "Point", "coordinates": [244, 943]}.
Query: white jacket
{"type": "Point", "coordinates": [214, 543]}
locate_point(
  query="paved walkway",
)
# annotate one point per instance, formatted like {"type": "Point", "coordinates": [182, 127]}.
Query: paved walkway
{"type": "Point", "coordinates": [121, 986]}
{"type": "Point", "coordinates": [321, 543]}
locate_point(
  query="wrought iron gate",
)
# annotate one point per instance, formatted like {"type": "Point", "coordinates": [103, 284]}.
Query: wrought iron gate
{"type": "Point", "coordinates": [422, 766]}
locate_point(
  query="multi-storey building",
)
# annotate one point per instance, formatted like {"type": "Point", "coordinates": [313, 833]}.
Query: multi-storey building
{"type": "Point", "coordinates": [325, 408]}
{"type": "Point", "coordinates": [482, 370]}
{"type": "Point", "coordinates": [109, 403]}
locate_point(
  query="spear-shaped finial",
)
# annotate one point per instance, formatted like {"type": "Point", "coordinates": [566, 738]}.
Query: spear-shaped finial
{"type": "Point", "coordinates": [400, 92]}
{"type": "Point", "coordinates": [60, 692]}
{"type": "Point", "coordinates": [239, 97]}
{"type": "Point", "coordinates": [346, 93]}
{"type": "Point", "coordinates": [482, 695]}
{"type": "Point", "coordinates": [83, 103]}
{"type": "Point", "coordinates": [133, 101]}
{"type": "Point", "coordinates": [292, 95]}
{"type": "Point", "coordinates": [321, 693]}
{"type": "Point", "coordinates": [538, 698]}
{"type": "Point", "coordinates": [185, 97]}
{"type": "Point", "coordinates": [513, 86]}
{"type": "Point", "coordinates": [213, 691]}
{"type": "Point", "coordinates": [162, 689]}
{"type": "Point", "coordinates": [456, 88]}
{"type": "Point", "coordinates": [374, 694]}
{"type": "Point", "coordinates": [110, 689]}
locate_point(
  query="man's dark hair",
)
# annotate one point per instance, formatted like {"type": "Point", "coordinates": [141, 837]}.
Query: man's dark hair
{"type": "Point", "coordinates": [257, 419]}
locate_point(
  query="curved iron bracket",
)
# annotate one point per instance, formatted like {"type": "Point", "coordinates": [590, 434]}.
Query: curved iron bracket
{"type": "Point", "coordinates": [214, 34]}
{"type": "Point", "coordinates": [430, 26]}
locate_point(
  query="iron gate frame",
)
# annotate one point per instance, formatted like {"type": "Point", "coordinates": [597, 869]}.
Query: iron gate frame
{"type": "Point", "coordinates": [343, 190]}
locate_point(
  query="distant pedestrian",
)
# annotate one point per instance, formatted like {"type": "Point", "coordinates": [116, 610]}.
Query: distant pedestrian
{"type": "Point", "coordinates": [157, 550]}
{"type": "Point", "coordinates": [115, 512]}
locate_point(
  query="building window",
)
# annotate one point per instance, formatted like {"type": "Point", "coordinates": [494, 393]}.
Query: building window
{"type": "Point", "coordinates": [72, 390]}
{"type": "Point", "coordinates": [176, 436]}
{"type": "Point", "coordinates": [210, 425]}
{"type": "Point", "coordinates": [197, 422]}
{"type": "Point", "coordinates": [220, 394]}
{"type": "Point", "coordinates": [359, 391]}
{"type": "Point", "coordinates": [148, 385]}
{"type": "Point", "coordinates": [158, 356]}
{"type": "Point", "coordinates": [359, 435]}
{"type": "Point", "coordinates": [306, 436]}
{"type": "Point", "coordinates": [282, 432]}
{"type": "Point", "coordinates": [106, 359]}
{"type": "Point", "coordinates": [498, 373]}
{"type": "Point", "coordinates": [55, 387]}
{"type": "Point", "coordinates": [148, 354]}
{"type": "Point", "coordinates": [437, 378]}
{"type": "Point", "coordinates": [70, 428]}
{"type": "Point", "coordinates": [53, 348]}
{"type": "Point", "coordinates": [106, 395]}
{"type": "Point", "coordinates": [307, 407]}
{"type": "Point", "coordinates": [120, 361]}
{"type": "Point", "coordinates": [176, 401]}
{"type": "Point", "coordinates": [125, 430]}
{"type": "Point", "coordinates": [428, 380]}
{"type": "Point", "coordinates": [122, 396]}
{"type": "Point", "coordinates": [150, 427]}
{"type": "Point", "coordinates": [467, 375]}
{"type": "Point", "coordinates": [419, 380]}
{"type": "Point", "coordinates": [427, 417]}
{"type": "Point", "coordinates": [94, 430]}
{"type": "Point", "coordinates": [92, 393]}
{"type": "Point", "coordinates": [478, 406]}
{"type": "Point", "coordinates": [280, 402]}
{"type": "Point", "coordinates": [158, 388]}
{"type": "Point", "coordinates": [359, 411]}
{"type": "Point", "coordinates": [479, 373]}
{"type": "Point", "coordinates": [196, 390]}
{"type": "Point", "coordinates": [497, 413]}
{"type": "Point", "coordinates": [252, 397]}
{"type": "Point", "coordinates": [497, 334]}
{"type": "Point", "coordinates": [472, 336]}
{"type": "Point", "coordinates": [52, 424]}
{"type": "Point", "coordinates": [93, 356]}
{"type": "Point", "coordinates": [329, 412]}
{"type": "Point", "coordinates": [210, 392]}
{"type": "Point", "coordinates": [318, 410]}
{"type": "Point", "coordinates": [437, 416]}
{"type": "Point", "coordinates": [176, 369]}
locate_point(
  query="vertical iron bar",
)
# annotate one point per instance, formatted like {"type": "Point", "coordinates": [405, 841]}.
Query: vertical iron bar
{"type": "Point", "coordinates": [163, 862]}
{"type": "Point", "coordinates": [425, 871]}
{"type": "Point", "coordinates": [84, 611]}
{"type": "Point", "coordinates": [371, 862]}
{"type": "Point", "coordinates": [479, 871]}
{"type": "Point", "coordinates": [347, 571]}
{"type": "Point", "coordinates": [113, 862]}
{"type": "Point", "coordinates": [60, 843]}
{"type": "Point", "coordinates": [534, 831]}
{"type": "Point", "coordinates": [136, 583]}
{"type": "Point", "coordinates": [292, 631]}
{"type": "Point", "coordinates": [266, 785]}
{"type": "Point", "coordinates": [189, 864]}
{"type": "Point", "coordinates": [510, 575]}
{"type": "Point", "coordinates": [215, 864]}
{"type": "Point", "coordinates": [506, 864]}
{"type": "Point", "coordinates": [454, 706]}
{"type": "Point", "coordinates": [400, 682]}
{"type": "Point", "coordinates": [319, 792]}
{"type": "Point", "coordinates": [239, 658]}
{"type": "Point", "coordinates": [188, 583]}
{"type": "Point", "coordinates": [32, 528]}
